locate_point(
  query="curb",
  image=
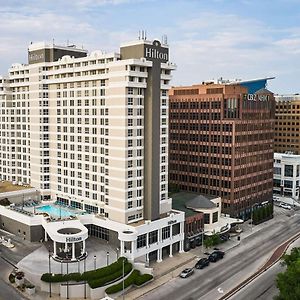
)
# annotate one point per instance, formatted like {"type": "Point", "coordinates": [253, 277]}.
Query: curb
{"type": "Point", "coordinates": [175, 267]}
{"type": "Point", "coordinates": [281, 248]}
{"type": "Point", "coordinates": [162, 275]}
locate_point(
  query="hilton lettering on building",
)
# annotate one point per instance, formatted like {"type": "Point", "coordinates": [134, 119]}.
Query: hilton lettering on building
{"type": "Point", "coordinates": [155, 53]}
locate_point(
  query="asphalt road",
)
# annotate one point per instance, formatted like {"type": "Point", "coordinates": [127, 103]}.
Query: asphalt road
{"type": "Point", "coordinates": [6, 291]}
{"type": "Point", "coordinates": [263, 287]}
{"type": "Point", "coordinates": [204, 282]}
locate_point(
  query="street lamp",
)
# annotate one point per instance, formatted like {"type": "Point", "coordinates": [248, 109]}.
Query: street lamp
{"type": "Point", "coordinates": [107, 258]}
{"type": "Point", "coordinates": [123, 283]}
{"type": "Point", "coordinates": [49, 261]}
{"type": "Point", "coordinates": [67, 278]}
{"type": "Point", "coordinates": [94, 262]}
{"type": "Point", "coordinates": [84, 269]}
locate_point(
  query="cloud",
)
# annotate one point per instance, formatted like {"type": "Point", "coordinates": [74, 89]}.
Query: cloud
{"type": "Point", "coordinates": [215, 45]}
{"type": "Point", "coordinates": [205, 43]}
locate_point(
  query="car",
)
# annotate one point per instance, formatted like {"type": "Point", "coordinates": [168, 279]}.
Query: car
{"type": "Point", "coordinates": [216, 255]}
{"type": "Point", "coordinates": [202, 263]}
{"type": "Point", "coordinates": [187, 272]}
{"type": "Point", "coordinates": [285, 206]}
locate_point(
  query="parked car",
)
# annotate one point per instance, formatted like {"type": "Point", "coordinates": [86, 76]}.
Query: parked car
{"type": "Point", "coordinates": [186, 272]}
{"type": "Point", "coordinates": [216, 255]}
{"type": "Point", "coordinates": [202, 263]}
{"type": "Point", "coordinates": [285, 206]}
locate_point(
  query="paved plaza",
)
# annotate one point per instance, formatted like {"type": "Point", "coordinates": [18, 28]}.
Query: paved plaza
{"type": "Point", "coordinates": [99, 253]}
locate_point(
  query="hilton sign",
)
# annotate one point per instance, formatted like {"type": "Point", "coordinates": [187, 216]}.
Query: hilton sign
{"type": "Point", "coordinates": [73, 239]}
{"type": "Point", "coordinates": [155, 53]}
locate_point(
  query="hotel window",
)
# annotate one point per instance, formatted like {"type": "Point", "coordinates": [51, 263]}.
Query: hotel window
{"type": "Point", "coordinates": [165, 232]}
{"type": "Point", "coordinates": [130, 91]}
{"type": "Point", "coordinates": [130, 101]}
{"type": "Point", "coordinates": [129, 205]}
{"type": "Point", "coordinates": [141, 240]}
{"type": "Point", "coordinates": [153, 237]}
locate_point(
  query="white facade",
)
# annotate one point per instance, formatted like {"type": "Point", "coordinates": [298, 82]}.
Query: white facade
{"type": "Point", "coordinates": [73, 128]}
{"type": "Point", "coordinates": [286, 175]}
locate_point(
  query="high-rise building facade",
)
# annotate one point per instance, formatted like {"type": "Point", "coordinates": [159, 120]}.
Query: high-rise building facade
{"type": "Point", "coordinates": [91, 130]}
{"type": "Point", "coordinates": [221, 143]}
{"type": "Point", "coordinates": [287, 124]}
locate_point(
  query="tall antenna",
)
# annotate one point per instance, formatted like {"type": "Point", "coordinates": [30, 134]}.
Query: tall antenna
{"type": "Point", "coordinates": [139, 35]}
{"type": "Point", "coordinates": [145, 35]}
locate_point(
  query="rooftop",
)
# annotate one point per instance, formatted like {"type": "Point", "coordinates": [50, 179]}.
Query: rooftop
{"type": "Point", "coordinates": [182, 199]}
{"type": "Point", "coordinates": [6, 186]}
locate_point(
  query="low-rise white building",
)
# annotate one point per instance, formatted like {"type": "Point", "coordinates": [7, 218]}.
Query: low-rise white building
{"type": "Point", "coordinates": [286, 174]}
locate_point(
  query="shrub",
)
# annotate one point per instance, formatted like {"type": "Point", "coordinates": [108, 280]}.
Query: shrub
{"type": "Point", "coordinates": [103, 272]}
{"type": "Point", "coordinates": [142, 279]}
{"type": "Point", "coordinates": [95, 278]}
{"type": "Point", "coordinates": [134, 278]}
{"type": "Point", "coordinates": [11, 278]}
{"type": "Point", "coordinates": [29, 286]}
{"type": "Point", "coordinates": [95, 283]}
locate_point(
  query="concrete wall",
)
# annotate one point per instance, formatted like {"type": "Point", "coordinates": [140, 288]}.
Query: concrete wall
{"type": "Point", "coordinates": [32, 233]}
{"type": "Point", "coordinates": [21, 195]}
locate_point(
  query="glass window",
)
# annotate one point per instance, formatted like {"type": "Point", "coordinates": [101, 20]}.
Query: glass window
{"type": "Point", "coordinates": [165, 232]}
{"type": "Point", "coordinates": [153, 237]}
{"type": "Point", "coordinates": [215, 217]}
{"type": "Point", "coordinates": [288, 170]}
{"type": "Point", "coordinates": [141, 241]}
{"type": "Point", "coordinates": [206, 218]}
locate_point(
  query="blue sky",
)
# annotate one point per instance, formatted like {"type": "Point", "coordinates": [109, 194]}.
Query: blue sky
{"type": "Point", "coordinates": [208, 38]}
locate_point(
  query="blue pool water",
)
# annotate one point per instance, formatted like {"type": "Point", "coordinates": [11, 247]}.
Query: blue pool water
{"type": "Point", "coordinates": [55, 211]}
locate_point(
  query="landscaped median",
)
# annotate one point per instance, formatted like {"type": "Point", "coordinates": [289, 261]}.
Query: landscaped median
{"type": "Point", "coordinates": [95, 278]}
{"type": "Point", "coordinates": [134, 278]}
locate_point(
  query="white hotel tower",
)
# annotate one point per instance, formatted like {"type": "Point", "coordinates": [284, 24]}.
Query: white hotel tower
{"type": "Point", "coordinates": [91, 131]}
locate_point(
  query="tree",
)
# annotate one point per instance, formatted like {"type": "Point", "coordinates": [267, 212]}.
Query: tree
{"type": "Point", "coordinates": [288, 282]}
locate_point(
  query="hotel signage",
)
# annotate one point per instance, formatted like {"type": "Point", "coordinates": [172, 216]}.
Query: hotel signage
{"type": "Point", "coordinates": [73, 239]}
{"type": "Point", "coordinates": [256, 97]}
{"type": "Point", "coordinates": [35, 57]}
{"type": "Point", "coordinates": [172, 222]}
{"type": "Point", "coordinates": [156, 52]}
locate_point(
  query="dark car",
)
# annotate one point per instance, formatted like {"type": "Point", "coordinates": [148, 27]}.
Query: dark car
{"type": "Point", "coordinates": [202, 263]}
{"type": "Point", "coordinates": [216, 255]}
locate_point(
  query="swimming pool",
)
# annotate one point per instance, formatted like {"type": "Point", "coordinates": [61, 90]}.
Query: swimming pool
{"type": "Point", "coordinates": [56, 211]}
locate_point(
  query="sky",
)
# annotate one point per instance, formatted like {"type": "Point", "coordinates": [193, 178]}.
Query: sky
{"type": "Point", "coordinates": [208, 39]}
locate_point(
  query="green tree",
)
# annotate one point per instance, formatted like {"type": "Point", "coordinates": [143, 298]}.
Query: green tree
{"type": "Point", "coordinates": [288, 282]}
{"type": "Point", "coordinates": [208, 242]}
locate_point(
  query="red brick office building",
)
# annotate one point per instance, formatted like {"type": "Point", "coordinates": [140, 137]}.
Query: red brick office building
{"type": "Point", "coordinates": [221, 143]}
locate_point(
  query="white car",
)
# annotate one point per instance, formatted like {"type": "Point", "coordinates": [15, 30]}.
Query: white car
{"type": "Point", "coordinates": [187, 272]}
{"type": "Point", "coordinates": [285, 206]}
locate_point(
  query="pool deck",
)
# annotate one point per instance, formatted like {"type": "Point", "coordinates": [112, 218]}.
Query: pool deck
{"type": "Point", "coordinates": [67, 212]}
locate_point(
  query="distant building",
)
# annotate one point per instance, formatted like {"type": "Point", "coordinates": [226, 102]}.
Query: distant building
{"type": "Point", "coordinates": [202, 216]}
{"type": "Point", "coordinates": [286, 175]}
{"type": "Point", "coordinates": [287, 124]}
{"type": "Point", "coordinates": [221, 143]}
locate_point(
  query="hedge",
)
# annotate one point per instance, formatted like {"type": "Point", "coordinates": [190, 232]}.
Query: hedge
{"type": "Point", "coordinates": [110, 278]}
{"type": "Point", "coordinates": [47, 277]}
{"type": "Point", "coordinates": [95, 278]}
{"type": "Point", "coordinates": [134, 278]}
{"type": "Point", "coordinates": [106, 271]}
{"type": "Point", "coordinates": [142, 279]}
